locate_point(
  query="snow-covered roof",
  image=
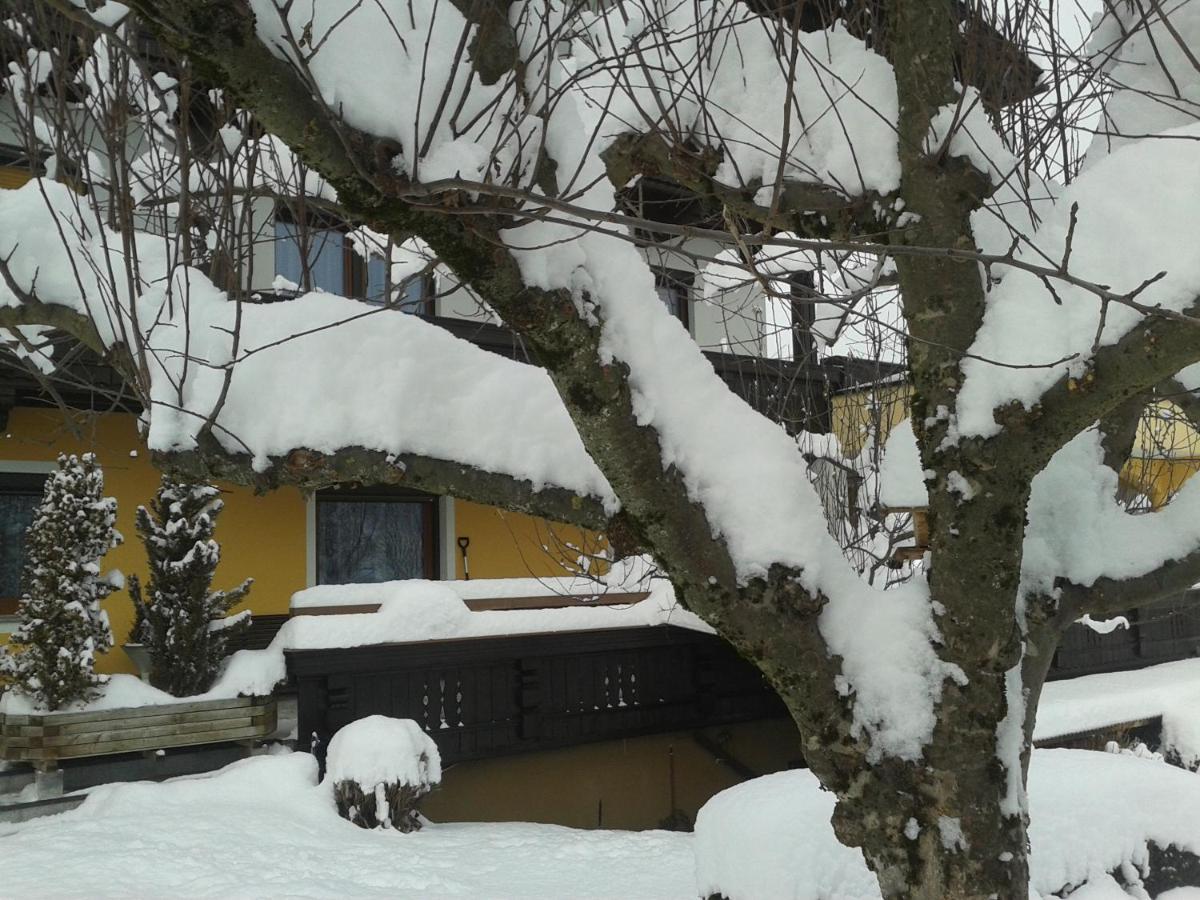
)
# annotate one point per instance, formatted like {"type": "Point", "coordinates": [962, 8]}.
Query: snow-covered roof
{"type": "Point", "coordinates": [1090, 702]}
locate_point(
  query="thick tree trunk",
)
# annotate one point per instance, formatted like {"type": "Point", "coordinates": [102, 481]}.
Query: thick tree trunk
{"type": "Point", "coordinates": [963, 837]}
{"type": "Point", "coordinates": [948, 826]}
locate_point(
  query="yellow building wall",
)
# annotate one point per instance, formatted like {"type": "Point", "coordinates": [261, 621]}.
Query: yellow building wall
{"type": "Point", "coordinates": [262, 537]}
{"type": "Point", "coordinates": [512, 545]}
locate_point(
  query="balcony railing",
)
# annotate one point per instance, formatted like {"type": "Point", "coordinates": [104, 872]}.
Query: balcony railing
{"type": "Point", "coordinates": [1156, 634]}
{"type": "Point", "coordinates": [484, 697]}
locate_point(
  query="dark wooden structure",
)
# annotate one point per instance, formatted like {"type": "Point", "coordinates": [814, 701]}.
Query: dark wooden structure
{"type": "Point", "coordinates": [1161, 633]}
{"type": "Point", "coordinates": [484, 697]}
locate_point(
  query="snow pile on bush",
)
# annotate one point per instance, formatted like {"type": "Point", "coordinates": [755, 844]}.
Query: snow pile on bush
{"type": "Point", "coordinates": [380, 768]}
{"type": "Point", "coordinates": [1091, 814]}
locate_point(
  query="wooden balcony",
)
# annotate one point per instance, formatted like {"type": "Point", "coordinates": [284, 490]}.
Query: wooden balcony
{"type": "Point", "coordinates": [486, 697]}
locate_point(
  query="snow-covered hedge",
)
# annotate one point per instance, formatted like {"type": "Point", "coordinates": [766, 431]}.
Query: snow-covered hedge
{"type": "Point", "coordinates": [1092, 814]}
{"type": "Point", "coordinates": [380, 768]}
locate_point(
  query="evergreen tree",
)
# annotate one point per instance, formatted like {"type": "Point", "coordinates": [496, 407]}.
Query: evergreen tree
{"type": "Point", "coordinates": [51, 657]}
{"type": "Point", "coordinates": [183, 623]}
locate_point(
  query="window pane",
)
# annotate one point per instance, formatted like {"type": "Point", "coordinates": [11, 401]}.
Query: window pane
{"type": "Point", "coordinates": [414, 294]}
{"type": "Point", "coordinates": [326, 257]}
{"type": "Point", "coordinates": [670, 297]}
{"type": "Point", "coordinates": [376, 279]}
{"type": "Point", "coordinates": [363, 541]}
{"type": "Point", "coordinates": [16, 515]}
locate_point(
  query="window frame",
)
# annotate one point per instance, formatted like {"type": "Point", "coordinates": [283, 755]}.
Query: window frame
{"type": "Point", "coordinates": [355, 267]}
{"type": "Point", "coordinates": [430, 523]}
{"type": "Point", "coordinates": [681, 281]}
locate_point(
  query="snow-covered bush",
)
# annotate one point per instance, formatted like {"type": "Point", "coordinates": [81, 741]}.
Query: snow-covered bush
{"type": "Point", "coordinates": [380, 768]}
{"type": "Point", "coordinates": [51, 657]}
{"type": "Point", "coordinates": [183, 624]}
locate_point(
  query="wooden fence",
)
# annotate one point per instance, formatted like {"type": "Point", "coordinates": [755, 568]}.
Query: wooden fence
{"type": "Point", "coordinates": [46, 738]}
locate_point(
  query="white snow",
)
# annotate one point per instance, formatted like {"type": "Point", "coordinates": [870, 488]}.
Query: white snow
{"type": "Point", "coordinates": [1079, 531]}
{"type": "Point", "coordinates": [417, 58]}
{"type": "Point", "coordinates": [1150, 60]}
{"type": "Point", "coordinates": [1170, 690]}
{"type": "Point", "coordinates": [1090, 813]}
{"type": "Point", "coordinates": [117, 692]}
{"type": "Point", "coordinates": [263, 827]}
{"type": "Point", "coordinates": [378, 750]}
{"type": "Point", "coordinates": [632, 574]}
{"type": "Point", "coordinates": [901, 475]}
{"type": "Point", "coordinates": [963, 129]}
{"type": "Point", "coordinates": [247, 673]}
{"type": "Point", "coordinates": [1104, 626]}
{"type": "Point", "coordinates": [481, 410]}
{"type": "Point", "coordinates": [434, 610]}
{"type": "Point", "coordinates": [1137, 215]}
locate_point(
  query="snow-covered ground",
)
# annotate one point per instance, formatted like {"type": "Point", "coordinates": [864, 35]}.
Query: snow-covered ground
{"type": "Point", "coordinates": [1091, 814]}
{"type": "Point", "coordinates": [264, 828]}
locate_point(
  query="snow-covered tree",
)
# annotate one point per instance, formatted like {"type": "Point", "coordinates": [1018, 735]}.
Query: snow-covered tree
{"type": "Point", "coordinates": [1044, 304]}
{"type": "Point", "coordinates": [51, 657]}
{"type": "Point", "coordinates": [185, 626]}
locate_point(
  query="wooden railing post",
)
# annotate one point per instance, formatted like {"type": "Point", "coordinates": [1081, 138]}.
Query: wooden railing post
{"type": "Point", "coordinates": [531, 698]}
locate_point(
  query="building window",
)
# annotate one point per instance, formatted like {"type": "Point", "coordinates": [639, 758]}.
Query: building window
{"type": "Point", "coordinates": [368, 535]}
{"type": "Point", "coordinates": [314, 258]}
{"type": "Point", "coordinates": [674, 290]}
{"type": "Point", "coordinates": [320, 256]}
{"type": "Point", "coordinates": [20, 494]}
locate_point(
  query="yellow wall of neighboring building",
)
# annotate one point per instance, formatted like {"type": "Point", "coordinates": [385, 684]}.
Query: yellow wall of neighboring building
{"type": "Point", "coordinates": [1166, 449]}
{"type": "Point", "coordinates": [856, 413]}
{"type": "Point", "coordinates": [1158, 479]}
{"type": "Point", "coordinates": [633, 783]}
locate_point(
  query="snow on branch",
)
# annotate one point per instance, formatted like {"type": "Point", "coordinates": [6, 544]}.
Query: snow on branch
{"type": "Point", "coordinates": [1081, 541]}
{"type": "Point", "coordinates": [319, 373]}
{"type": "Point", "coordinates": [1130, 216]}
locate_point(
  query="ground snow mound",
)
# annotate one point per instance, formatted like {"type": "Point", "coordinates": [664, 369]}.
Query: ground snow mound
{"type": "Point", "coordinates": [1090, 813]}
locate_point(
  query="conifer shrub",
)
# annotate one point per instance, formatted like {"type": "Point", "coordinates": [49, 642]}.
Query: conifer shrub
{"type": "Point", "coordinates": [51, 657]}
{"type": "Point", "coordinates": [184, 625]}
